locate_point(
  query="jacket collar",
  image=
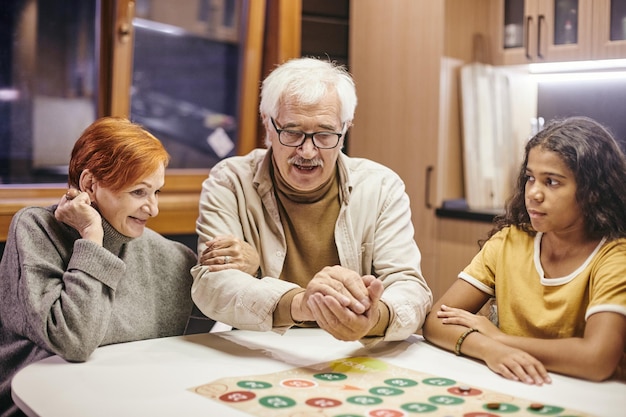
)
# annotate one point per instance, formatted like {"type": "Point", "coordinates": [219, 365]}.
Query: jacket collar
{"type": "Point", "coordinates": [263, 181]}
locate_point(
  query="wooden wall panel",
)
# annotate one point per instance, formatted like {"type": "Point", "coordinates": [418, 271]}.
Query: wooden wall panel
{"type": "Point", "coordinates": [395, 53]}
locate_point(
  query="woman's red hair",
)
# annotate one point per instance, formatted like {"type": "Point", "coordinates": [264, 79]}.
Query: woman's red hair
{"type": "Point", "coordinates": [117, 152]}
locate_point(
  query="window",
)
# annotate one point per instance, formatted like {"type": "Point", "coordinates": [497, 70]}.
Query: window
{"type": "Point", "coordinates": [186, 77]}
{"type": "Point", "coordinates": [48, 85]}
{"type": "Point", "coordinates": [77, 56]}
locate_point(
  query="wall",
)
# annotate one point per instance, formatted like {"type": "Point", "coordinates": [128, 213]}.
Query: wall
{"type": "Point", "coordinates": [601, 99]}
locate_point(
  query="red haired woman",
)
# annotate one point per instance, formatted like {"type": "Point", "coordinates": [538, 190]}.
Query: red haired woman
{"type": "Point", "coordinates": [87, 272]}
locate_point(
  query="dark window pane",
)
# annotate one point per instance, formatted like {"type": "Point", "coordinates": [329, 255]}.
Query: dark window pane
{"type": "Point", "coordinates": [47, 85]}
{"type": "Point", "coordinates": [185, 77]}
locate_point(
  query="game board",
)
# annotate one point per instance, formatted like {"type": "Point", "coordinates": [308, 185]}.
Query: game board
{"type": "Point", "coordinates": [366, 387]}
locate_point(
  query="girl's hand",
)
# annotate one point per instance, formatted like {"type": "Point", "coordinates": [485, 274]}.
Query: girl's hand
{"type": "Point", "coordinates": [450, 315]}
{"type": "Point", "coordinates": [517, 365]}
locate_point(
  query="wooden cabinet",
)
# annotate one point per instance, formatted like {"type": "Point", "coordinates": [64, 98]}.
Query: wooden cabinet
{"type": "Point", "coordinates": [525, 31]}
{"type": "Point", "coordinates": [609, 29]}
{"type": "Point", "coordinates": [405, 57]}
{"type": "Point", "coordinates": [395, 53]}
{"type": "Point", "coordinates": [531, 31]}
{"type": "Point", "coordinates": [325, 26]}
{"type": "Point", "coordinates": [457, 243]}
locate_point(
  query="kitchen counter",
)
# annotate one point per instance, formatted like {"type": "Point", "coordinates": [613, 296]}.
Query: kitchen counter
{"type": "Point", "coordinates": [458, 209]}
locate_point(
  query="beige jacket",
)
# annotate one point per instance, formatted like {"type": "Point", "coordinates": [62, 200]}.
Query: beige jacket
{"type": "Point", "coordinates": [374, 235]}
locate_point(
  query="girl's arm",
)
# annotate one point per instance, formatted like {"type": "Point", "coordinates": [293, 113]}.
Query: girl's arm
{"type": "Point", "coordinates": [461, 295]}
{"type": "Point", "coordinates": [595, 356]}
{"type": "Point", "coordinates": [448, 329]}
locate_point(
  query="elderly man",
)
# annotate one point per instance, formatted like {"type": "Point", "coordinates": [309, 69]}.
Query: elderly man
{"type": "Point", "coordinates": [299, 234]}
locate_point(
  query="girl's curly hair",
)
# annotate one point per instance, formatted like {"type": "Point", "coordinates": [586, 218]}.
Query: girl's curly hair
{"type": "Point", "coordinates": [599, 166]}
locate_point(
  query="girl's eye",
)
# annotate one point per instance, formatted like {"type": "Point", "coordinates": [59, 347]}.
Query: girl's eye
{"type": "Point", "coordinates": [552, 182]}
{"type": "Point", "coordinates": [529, 178]}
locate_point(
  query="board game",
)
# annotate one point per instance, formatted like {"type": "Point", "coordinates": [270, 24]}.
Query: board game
{"type": "Point", "coordinates": [366, 387]}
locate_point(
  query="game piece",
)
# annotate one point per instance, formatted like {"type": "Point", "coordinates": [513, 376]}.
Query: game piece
{"type": "Point", "coordinates": [536, 406]}
{"type": "Point", "coordinates": [493, 406]}
{"type": "Point", "coordinates": [464, 388]}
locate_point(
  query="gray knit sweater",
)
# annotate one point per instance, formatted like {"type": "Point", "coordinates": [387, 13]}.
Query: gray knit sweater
{"type": "Point", "coordinates": [60, 294]}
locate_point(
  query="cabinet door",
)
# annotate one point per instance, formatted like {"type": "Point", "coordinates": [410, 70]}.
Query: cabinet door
{"type": "Point", "coordinates": [609, 29]}
{"type": "Point", "coordinates": [563, 30]}
{"type": "Point", "coordinates": [457, 244]}
{"type": "Point", "coordinates": [540, 31]}
{"type": "Point", "coordinates": [513, 31]}
{"type": "Point", "coordinates": [395, 55]}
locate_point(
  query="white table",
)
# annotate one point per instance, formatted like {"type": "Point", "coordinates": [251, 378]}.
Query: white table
{"type": "Point", "coordinates": [153, 377]}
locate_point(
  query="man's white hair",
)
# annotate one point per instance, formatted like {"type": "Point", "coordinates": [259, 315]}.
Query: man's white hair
{"type": "Point", "coordinates": [306, 81]}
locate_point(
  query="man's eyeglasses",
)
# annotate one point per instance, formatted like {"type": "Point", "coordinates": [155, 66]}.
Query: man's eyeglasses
{"type": "Point", "coordinates": [296, 138]}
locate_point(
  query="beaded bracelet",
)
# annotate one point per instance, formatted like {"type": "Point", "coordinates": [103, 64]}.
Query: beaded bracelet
{"type": "Point", "coordinates": [459, 342]}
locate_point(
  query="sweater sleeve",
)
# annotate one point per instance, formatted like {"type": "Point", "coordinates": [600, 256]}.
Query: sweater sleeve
{"type": "Point", "coordinates": [62, 288]}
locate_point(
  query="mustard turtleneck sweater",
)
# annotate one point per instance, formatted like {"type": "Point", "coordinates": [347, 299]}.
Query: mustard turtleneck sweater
{"type": "Point", "coordinates": [308, 219]}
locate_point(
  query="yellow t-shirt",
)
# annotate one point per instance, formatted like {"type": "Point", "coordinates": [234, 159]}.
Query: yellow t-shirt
{"type": "Point", "coordinates": [528, 304]}
{"type": "Point", "coordinates": [509, 268]}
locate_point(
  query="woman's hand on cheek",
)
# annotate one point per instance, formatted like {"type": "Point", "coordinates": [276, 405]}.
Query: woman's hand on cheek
{"type": "Point", "coordinates": [75, 210]}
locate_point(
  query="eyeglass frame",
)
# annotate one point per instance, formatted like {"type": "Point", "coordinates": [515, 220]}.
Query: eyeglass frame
{"type": "Point", "coordinates": [306, 136]}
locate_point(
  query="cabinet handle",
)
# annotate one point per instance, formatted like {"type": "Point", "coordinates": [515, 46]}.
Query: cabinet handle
{"type": "Point", "coordinates": [529, 20]}
{"type": "Point", "coordinates": [429, 171]}
{"type": "Point", "coordinates": [541, 19]}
